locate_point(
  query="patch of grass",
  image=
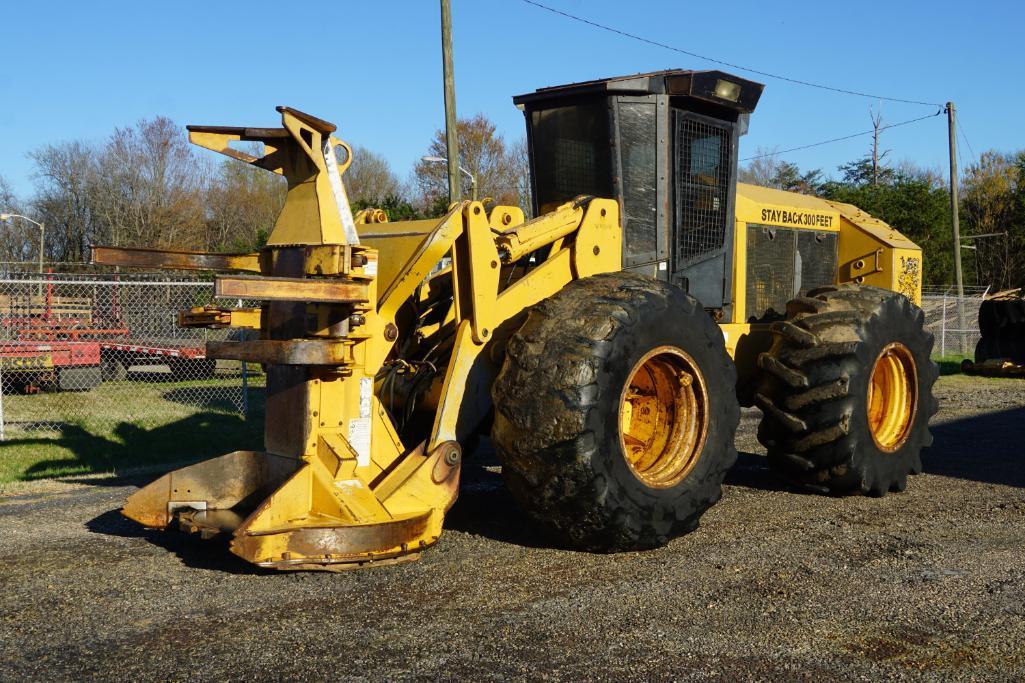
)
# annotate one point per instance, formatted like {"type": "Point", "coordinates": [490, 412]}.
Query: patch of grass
{"type": "Point", "coordinates": [951, 364]}
{"type": "Point", "coordinates": [125, 425]}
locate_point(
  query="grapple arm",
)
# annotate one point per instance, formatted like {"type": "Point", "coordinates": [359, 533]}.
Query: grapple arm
{"type": "Point", "coordinates": [343, 481]}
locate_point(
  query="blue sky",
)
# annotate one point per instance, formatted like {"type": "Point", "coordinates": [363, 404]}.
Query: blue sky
{"type": "Point", "coordinates": [75, 70]}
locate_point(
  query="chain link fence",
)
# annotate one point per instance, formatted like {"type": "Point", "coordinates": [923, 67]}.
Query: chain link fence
{"type": "Point", "coordinates": [99, 350]}
{"type": "Point", "coordinates": [953, 320]}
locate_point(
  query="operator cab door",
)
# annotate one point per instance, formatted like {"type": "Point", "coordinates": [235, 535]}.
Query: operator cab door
{"type": "Point", "coordinates": [703, 161]}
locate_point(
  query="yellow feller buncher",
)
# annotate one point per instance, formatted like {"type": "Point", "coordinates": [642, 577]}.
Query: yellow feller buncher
{"type": "Point", "coordinates": [607, 343]}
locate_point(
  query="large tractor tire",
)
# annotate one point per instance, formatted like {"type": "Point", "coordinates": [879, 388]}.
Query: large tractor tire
{"type": "Point", "coordinates": [1002, 326]}
{"type": "Point", "coordinates": [846, 391]}
{"type": "Point", "coordinates": [615, 413]}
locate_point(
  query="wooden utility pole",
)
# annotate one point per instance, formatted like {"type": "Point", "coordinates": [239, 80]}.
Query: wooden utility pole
{"type": "Point", "coordinates": [451, 137]}
{"type": "Point", "coordinates": [954, 219]}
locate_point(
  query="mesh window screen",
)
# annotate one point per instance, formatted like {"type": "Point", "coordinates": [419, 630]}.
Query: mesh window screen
{"type": "Point", "coordinates": [818, 259]}
{"type": "Point", "coordinates": [571, 153]}
{"type": "Point", "coordinates": [638, 135]}
{"type": "Point", "coordinates": [770, 271]}
{"type": "Point", "coordinates": [782, 264]}
{"type": "Point", "coordinates": [702, 167]}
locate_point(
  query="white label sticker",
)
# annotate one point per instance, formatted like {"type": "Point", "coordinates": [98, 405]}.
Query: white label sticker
{"type": "Point", "coordinates": [346, 486]}
{"type": "Point", "coordinates": [338, 190]}
{"type": "Point", "coordinates": [359, 439]}
{"type": "Point", "coordinates": [366, 391]}
{"type": "Point", "coordinates": [370, 269]}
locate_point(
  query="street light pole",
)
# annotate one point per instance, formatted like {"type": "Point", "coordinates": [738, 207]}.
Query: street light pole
{"type": "Point", "coordinates": [7, 217]}
{"type": "Point", "coordinates": [472, 177]}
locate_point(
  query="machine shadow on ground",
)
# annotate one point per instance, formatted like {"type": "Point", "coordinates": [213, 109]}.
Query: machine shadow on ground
{"type": "Point", "coordinates": [986, 448]}
{"type": "Point", "coordinates": [983, 448]}
{"type": "Point", "coordinates": [751, 471]}
{"type": "Point", "coordinates": [486, 508]}
{"type": "Point", "coordinates": [193, 551]}
{"type": "Point", "coordinates": [212, 398]}
{"type": "Point", "coordinates": [128, 446]}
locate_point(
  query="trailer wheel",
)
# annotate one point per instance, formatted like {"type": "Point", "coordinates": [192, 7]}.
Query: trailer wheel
{"type": "Point", "coordinates": [192, 368]}
{"type": "Point", "coordinates": [615, 413]}
{"type": "Point", "coordinates": [846, 391]}
{"type": "Point", "coordinates": [113, 369]}
{"type": "Point", "coordinates": [78, 379]}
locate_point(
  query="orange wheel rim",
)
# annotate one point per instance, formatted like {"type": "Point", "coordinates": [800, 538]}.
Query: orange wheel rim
{"type": "Point", "coordinates": [663, 417]}
{"type": "Point", "coordinates": [892, 397]}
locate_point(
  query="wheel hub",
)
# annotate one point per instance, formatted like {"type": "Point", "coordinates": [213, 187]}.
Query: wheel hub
{"type": "Point", "coordinates": [892, 397]}
{"type": "Point", "coordinates": [663, 416]}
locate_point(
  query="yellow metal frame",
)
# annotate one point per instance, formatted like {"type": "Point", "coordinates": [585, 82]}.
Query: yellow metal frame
{"type": "Point", "coordinates": [869, 252]}
{"type": "Point", "coordinates": [339, 486]}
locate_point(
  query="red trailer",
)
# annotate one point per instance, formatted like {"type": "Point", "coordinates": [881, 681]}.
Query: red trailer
{"type": "Point", "coordinates": [184, 362]}
{"type": "Point", "coordinates": [66, 343]}
{"type": "Point", "coordinates": [67, 366]}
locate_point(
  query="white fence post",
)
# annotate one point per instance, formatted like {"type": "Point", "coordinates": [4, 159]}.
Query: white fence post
{"type": "Point", "coordinates": [943, 328]}
{"type": "Point", "coordinates": [3, 435]}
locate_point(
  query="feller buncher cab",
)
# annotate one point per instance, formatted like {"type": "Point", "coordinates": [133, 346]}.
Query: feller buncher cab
{"type": "Point", "coordinates": [664, 145]}
{"type": "Point", "coordinates": [606, 345]}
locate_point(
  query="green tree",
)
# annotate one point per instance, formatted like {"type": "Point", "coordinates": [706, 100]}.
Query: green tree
{"type": "Point", "coordinates": [910, 202]}
{"type": "Point", "coordinates": [864, 172]}
{"type": "Point", "coordinates": [790, 178]}
{"type": "Point", "coordinates": [993, 202]}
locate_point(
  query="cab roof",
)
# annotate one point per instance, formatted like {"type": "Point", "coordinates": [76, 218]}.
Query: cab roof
{"type": "Point", "coordinates": [701, 85]}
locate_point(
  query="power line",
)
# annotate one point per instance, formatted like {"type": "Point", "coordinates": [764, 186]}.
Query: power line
{"type": "Point", "coordinates": [845, 137]}
{"type": "Point", "coordinates": [964, 137]}
{"type": "Point", "coordinates": [962, 169]}
{"type": "Point", "coordinates": [721, 62]}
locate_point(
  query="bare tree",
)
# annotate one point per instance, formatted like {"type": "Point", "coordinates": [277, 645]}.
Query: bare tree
{"type": "Point", "coordinates": [484, 153]}
{"type": "Point", "coordinates": [242, 202]}
{"type": "Point", "coordinates": [875, 154]}
{"type": "Point", "coordinates": [150, 188]}
{"type": "Point", "coordinates": [369, 180]}
{"type": "Point", "coordinates": [521, 164]}
{"type": "Point", "coordinates": [66, 176]}
{"type": "Point", "coordinates": [762, 169]}
{"type": "Point", "coordinates": [934, 177]}
{"type": "Point", "coordinates": [18, 244]}
{"type": "Point", "coordinates": [768, 170]}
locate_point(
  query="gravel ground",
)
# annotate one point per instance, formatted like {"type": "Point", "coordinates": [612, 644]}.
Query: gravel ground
{"type": "Point", "coordinates": [775, 585]}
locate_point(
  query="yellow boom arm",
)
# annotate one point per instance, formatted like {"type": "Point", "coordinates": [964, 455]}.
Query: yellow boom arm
{"type": "Point", "coordinates": [344, 480]}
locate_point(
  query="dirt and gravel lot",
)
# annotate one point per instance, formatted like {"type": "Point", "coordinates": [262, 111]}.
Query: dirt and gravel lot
{"type": "Point", "coordinates": [776, 585]}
